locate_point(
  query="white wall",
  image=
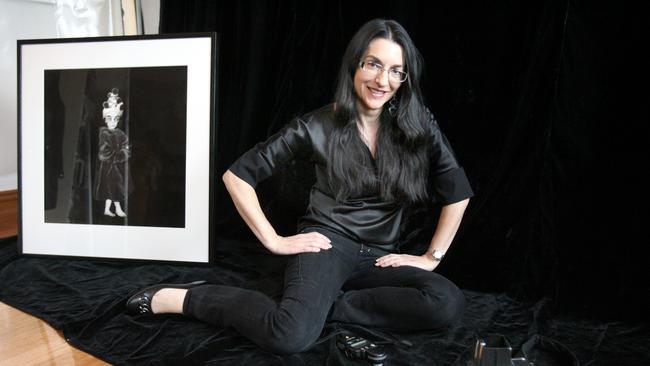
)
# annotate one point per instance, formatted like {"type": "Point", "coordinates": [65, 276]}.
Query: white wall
{"type": "Point", "coordinates": [31, 19]}
{"type": "Point", "coordinates": [19, 19]}
{"type": "Point", "coordinates": [151, 16]}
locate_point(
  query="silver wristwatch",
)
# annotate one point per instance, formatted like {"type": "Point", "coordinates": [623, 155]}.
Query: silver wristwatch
{"type": "Point", "coordinates": [437, 255]}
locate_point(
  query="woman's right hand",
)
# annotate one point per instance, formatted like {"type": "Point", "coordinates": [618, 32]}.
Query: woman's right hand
{"type": "Point", "coordinates": [301, 243]}
{"type": "Point", "coordinates": [248, 206]}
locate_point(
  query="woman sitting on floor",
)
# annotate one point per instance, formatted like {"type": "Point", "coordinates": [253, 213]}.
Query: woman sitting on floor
{"type": "Point", "coordinates": [375, 149]}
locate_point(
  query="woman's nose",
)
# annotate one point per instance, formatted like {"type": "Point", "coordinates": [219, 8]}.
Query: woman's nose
{"type": "Point", "coordinates": [382, 77]}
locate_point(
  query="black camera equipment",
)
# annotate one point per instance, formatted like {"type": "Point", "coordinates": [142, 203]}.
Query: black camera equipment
{"type": "Point", "coordinates": [360, 348]}
{"type": "Point", "coordinates": [495, 350]}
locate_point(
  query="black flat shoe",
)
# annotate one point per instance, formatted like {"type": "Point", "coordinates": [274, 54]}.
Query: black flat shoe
{"type": "Point", "coordinates": [140, 303]}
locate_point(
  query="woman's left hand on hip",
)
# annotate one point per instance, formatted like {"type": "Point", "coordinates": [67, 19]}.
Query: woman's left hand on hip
{"type": "Point", "coordinates": [399, 260]}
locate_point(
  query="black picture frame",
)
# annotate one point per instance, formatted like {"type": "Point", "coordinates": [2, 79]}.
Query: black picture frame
{"type": "Point", "coordinates": [116, 147]}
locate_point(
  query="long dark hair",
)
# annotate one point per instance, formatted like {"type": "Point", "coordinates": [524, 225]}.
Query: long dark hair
{"type": "Point", "coordinates": [401, 159]}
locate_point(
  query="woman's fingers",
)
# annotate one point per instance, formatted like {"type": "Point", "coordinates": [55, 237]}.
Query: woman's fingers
{"type": "Point", "coordinates": [390, 260]}
{"type": "Point", "coordinates": [398, 260]}
{"type": "Point", "coordinates": [308, 242]}
{"type": "Point", "coordinates": [313, 240]}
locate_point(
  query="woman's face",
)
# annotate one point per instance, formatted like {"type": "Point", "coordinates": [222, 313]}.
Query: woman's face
{"type": "Point", "coordinates": [374, 84]}
{"type": "Point", "coordinates": [112, 120]}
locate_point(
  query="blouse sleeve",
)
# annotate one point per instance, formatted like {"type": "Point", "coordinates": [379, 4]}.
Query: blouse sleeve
{"type": "Point", "coordinates": [265, 158]}
{"type": "Point", "coordinates": [449, 182]}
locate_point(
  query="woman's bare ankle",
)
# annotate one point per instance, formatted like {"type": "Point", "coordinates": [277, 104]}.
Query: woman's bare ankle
{"type": "Point", "coordinates": [168, 300]}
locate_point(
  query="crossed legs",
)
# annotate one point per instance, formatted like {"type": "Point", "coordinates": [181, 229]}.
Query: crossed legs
{"type": "Point", "coordinates": [400, 298]}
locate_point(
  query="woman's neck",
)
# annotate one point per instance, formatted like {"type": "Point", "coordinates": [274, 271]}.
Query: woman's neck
{"type": "Point", "coordinates": [369, 118]}
{"type": "Point", "coordinates": [368, 125]}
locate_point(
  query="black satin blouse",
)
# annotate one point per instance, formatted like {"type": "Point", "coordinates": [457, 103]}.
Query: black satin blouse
{"type": "Point", "coordinates": [368, 219]}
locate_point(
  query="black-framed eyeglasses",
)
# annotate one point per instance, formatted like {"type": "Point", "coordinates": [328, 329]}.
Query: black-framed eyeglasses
{"type": "Point", "coordinates": [375, 69]}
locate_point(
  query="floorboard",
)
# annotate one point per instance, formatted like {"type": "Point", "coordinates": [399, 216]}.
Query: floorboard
{"type": "Point", "coordinates": [27, 340]}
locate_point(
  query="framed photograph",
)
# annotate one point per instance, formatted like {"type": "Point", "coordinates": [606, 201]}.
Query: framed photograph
{"type": "Point", "coordinates": [116, 139]}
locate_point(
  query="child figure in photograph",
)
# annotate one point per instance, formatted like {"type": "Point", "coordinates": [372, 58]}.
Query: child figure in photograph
{"type": "Point", "coordinates": [113, 179]}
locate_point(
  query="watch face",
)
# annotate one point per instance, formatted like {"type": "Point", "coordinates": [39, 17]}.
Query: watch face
{"type": "Point", "coordinates": [437, 255]}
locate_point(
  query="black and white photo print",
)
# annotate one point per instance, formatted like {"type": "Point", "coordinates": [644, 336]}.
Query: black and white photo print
{"type": "Point", "coordinates": [115, 146]}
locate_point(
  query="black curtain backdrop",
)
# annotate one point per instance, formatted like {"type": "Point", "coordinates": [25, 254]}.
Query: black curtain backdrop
{"type": "Point", "coordinates": [538, 99]}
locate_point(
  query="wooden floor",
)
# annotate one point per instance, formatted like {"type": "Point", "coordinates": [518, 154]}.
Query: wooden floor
{"type": "Point", "coordinates": [24, 339]}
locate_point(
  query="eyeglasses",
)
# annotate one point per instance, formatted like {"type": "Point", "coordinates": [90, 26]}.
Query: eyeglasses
{"type": "Point", "coordinates": [375, 69]}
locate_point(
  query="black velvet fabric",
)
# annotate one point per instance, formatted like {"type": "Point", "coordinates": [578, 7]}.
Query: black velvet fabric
{"type": "Point", "coordinates": [85, 299]}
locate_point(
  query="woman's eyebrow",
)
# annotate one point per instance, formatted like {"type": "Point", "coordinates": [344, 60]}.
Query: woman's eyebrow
{"type": "Point", "coordinates": [379, 61]}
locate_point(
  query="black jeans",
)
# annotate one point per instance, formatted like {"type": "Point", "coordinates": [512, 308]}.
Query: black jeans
{"type": "Point", "coordinates": [343, 279]}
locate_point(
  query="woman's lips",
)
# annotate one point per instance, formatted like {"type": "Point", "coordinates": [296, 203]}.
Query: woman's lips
{"type": "Point", "coordinates": [376, 92]}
